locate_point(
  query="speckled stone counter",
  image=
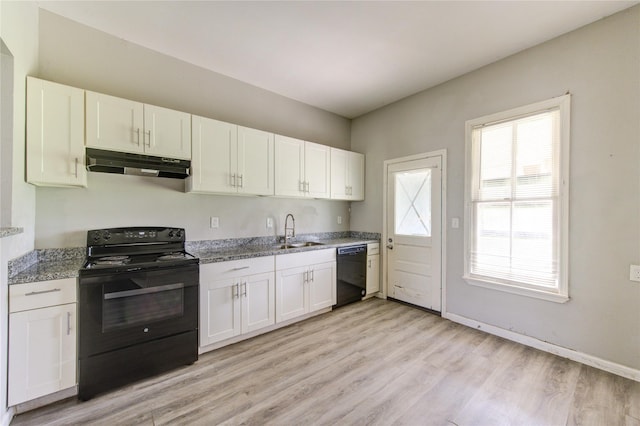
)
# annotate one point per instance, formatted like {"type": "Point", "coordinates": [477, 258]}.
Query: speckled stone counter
{"type": "Point", "coordinates": [222, 254]}
{"type": "Point", "coordinates": [46, 264]}
{"type": "Point", "coordinates": [53, 264]}
{"type": "Point", "coordinates": [7, 232]}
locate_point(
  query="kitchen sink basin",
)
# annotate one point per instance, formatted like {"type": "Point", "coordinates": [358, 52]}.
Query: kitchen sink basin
{"type": "Point", "coordinates": [300, 244]}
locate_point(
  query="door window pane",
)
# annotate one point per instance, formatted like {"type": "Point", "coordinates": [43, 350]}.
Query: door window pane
{"type": "Point", "coordinates": [413, 203]}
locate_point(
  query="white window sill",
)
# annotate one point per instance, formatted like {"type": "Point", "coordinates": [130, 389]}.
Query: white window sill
{"type": "Point", "coordinates": [521, 291]}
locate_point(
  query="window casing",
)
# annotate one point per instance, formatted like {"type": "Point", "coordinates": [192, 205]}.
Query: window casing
{"type": "Point", "coordinates": [516, 191]}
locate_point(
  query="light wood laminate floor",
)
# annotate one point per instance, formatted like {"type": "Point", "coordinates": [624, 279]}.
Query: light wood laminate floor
{"type": "Point", "coordinates": [371, 363]}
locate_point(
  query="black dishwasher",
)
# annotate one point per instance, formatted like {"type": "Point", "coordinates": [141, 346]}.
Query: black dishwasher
{"type": "Point", "coordinates": [352, 274]}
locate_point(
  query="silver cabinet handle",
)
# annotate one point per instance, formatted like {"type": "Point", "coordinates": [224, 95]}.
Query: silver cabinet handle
{"type": "Point", "coordinates": [68, 323]}
{"type": "Point", "coordinates": [33, 293]}
{"type": "Point", "coordinates": [240, 268]}
{"type": "Point", "coordinates": [234, 291]}
{"type": "Point", "coordinates": [138, 132]}
{"type": "Point", "coordinates": [244, 289]}
{"type": "Point", "coordinates": [76, 168]}
{"type": "Point", "coordinates": [369, 263]}
{"type": "Point", "coordinates": [241, 181]}
{"type": "Point", "coordinates": [305, 277]}
{"type": "Point", "coordinates": [311, 271]}
{"type": "Point", "coordinates": [148, 132]}
{"type": "Point", "coordinates": [233, 179]}
{"type": "Point", "coordinates": [301, 186]}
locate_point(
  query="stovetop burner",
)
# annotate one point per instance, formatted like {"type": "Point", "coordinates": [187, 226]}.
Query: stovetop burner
{"type": "Point", "coordinates": [172, 256]}
{"type": "Point", "coordinates": [128, 249]}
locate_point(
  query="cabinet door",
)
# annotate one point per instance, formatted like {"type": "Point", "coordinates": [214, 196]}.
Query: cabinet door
{"type": "Point", "coordinates": [339, 160]}
{"type": "Point", "coordinates": [167, 133]}
{"type": "Point", "coordinates": [55, 134]}
{"type": "Point", "coordinates": [255, 162]}
{"type": "Point", "coordinates": [289, 166]}
{"type": "Point", "coordinates": [219, 310]}
{"type": "Point", "coordinates": [291, 293]}
{"type": "Point", "coordinates": [42, 352]}
{"type": "Point", "coordinates": [113, 123]}
{"type": "Point", "coordinates": [214, 153]}
{"type": "Point", "coordinates": [317, 161]}
{"type": "Point", "coordinates": [373, 274]}
{"type": "Point", "coordinates": [258, 301]}
{"type": "Point", "coordinates": [322, 286]}
{"type": "Point", "coordinates": [355, 176]}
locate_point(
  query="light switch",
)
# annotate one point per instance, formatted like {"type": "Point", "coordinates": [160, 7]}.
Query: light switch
{"type": "Point", "coordinates": [455, 222]}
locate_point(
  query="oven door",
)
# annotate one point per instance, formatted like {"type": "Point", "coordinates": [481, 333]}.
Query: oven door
{"type": "Point", "coordinates": [127, 308]}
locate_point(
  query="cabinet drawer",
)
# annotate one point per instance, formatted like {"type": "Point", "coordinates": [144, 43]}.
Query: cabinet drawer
{"type": "Point", "coordinates": [293, 260]}
{"type": "Point", "coordinates": [41, 294]}
{"type": "Point", "coordinates": [373, 248]}
{"type": "Point", "coordinates": [236, 268]}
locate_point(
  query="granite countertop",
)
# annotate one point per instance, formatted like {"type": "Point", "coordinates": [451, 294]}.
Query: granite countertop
{"type": "Point", "coordinates": [53, 264]}
{"type": "Point", "coordinates": [213, 255]}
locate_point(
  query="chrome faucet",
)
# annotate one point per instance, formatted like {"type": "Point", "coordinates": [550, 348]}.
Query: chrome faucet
{"type": "Point", "coordinates": [289, 232]}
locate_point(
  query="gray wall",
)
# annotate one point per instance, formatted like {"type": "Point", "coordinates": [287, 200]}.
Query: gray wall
{"type": "Point", "coordinates": [600, 65]}
{"type": "Point", "coordinates": [80, 56]}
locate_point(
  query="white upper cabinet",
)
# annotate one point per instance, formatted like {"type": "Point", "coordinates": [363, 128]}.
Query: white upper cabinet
{"type": "Point", "coordinates": [167, 133]}
{"type": "Point", "coordinates": [55, 134]}
{"type": "Point", "coordinates": [122, 125]}
{"type": "Point", "coordinates": [230, 159]}
{"type": "Point", "coordinates": [255, 162]}
{"type": "Point", "coordinates": [347, 175]}
{"type": "Point", "coordinates": [302, 168]}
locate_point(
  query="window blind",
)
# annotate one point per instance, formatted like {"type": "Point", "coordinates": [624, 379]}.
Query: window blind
{"type": "Point", "coordinates": [515, 196]}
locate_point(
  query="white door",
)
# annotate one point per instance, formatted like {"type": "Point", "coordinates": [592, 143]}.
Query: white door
{"type": "Point", "coordinates": [258, 301]}
{"type": "Point", "coordinates": [55, 134]}
{"type": "Point", "coordinates": [255, 162]}
{"type": "Point", "coordinates": [291, 293]}
{"type": "Point", "coordinates": [167, 133]}
{"type": "Point", "coordinates": [219, 310]}
{"type": "Point", "coordinates": [289, 166]}
{"type": "Point", "coordinates": [113, 123]}
{"type": "Point", "coordinates": [42, 352]}
{"type": "Point", "coordinates": [214, 154]}
{"type": "Point", "coordinates": [413, 245]}
{"type": "Point", "coordinates": [317, 159]}
{"type": "Point", "coordinates": [321, 279]}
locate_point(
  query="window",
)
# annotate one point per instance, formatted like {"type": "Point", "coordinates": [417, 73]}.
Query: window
{"type": "Point", "coordinates": [517, 200]}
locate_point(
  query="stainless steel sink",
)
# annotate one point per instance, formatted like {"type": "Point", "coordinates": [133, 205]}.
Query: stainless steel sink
{"type": "Point", "coordinates": [300, 244]}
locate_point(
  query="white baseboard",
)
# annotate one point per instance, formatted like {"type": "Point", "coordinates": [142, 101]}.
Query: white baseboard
{"type": "Point", "coordinates": [7, 417]}
{"type": "Point", "coordinates": [593, 361]}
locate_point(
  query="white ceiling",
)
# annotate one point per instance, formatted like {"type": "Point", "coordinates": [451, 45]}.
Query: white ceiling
{"type": "Point", "coordinates": [345, 57]}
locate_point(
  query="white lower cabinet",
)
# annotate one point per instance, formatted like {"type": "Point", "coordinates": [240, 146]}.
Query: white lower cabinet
{"type": "Point", "coordinates": [236, 297]}
{"type": "Point", "coordinates": [373, 268]}
{"type": "Point", "coordinates": [42, 339]}
{"type": "Point", "coordinates": [305, 282]}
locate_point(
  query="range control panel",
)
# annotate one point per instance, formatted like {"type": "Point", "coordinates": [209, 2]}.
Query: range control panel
{"type": "Point", "coordinates": [133, 235]}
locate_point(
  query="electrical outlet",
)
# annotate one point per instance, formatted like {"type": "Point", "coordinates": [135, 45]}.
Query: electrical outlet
{"type": "Point", "coordinates": [339, 220]}
{"type": "Point", "coordinates": [269, 223]}
{"type": "Point", "coordinates": [215, 222]}
{"type": "Point", "coordinates": [455, 222]}
{"type": "Point", "coordinates": [634, 273]}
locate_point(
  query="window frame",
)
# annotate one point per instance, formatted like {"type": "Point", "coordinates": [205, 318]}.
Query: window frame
{"type": "Point", "coordinates": [559, 294]}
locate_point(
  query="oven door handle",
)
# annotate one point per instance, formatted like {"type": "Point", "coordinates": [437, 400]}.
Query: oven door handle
{"type": "Point", "coordinates": [138, 292]}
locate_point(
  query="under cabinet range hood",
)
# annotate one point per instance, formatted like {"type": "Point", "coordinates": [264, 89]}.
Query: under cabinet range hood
{"type": "Point", "coordinates": [99, 160]}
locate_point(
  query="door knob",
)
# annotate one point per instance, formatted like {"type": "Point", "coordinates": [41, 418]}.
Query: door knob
{"type": "Point", "coordinates": [390, 246]}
